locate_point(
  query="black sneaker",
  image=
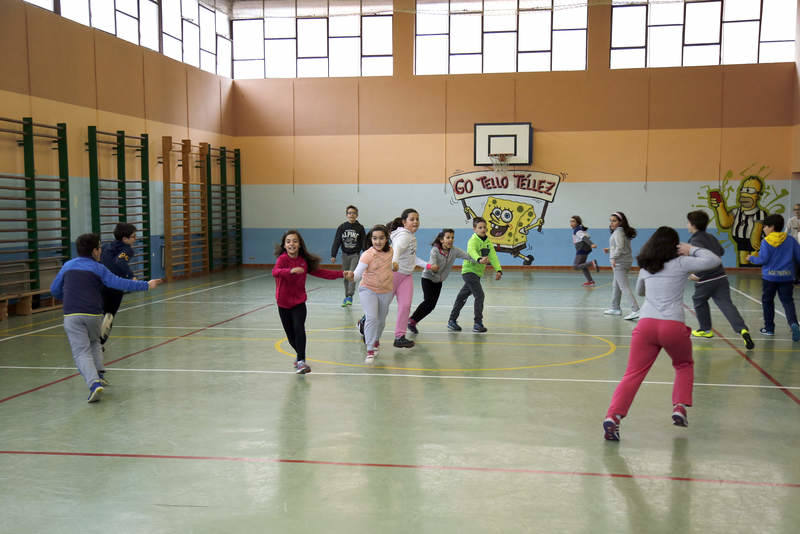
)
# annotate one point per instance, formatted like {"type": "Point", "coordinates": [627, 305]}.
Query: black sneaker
{"type": "Point", "coordinates": [360, 325]}
{"type": "Point", "coordinates": [748, 341]}
{"type": "Point", "coordinates": [412, 326]}
{"type": "Point", "coordinates": [478, 327]}
{"type": "Point", "coordinates": [452, 325]}
{"type": "Point", "coordinates": [403, 343]}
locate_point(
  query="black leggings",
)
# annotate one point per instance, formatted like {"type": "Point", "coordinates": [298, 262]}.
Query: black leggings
{"type": "Point", "coordinates": [430, 292]}
{"type": "Point", "coordinates": [112, 299]}
{"type": "Point", "coordinates": [294, 324]}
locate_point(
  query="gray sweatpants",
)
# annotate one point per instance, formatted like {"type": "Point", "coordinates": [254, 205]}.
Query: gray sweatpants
{"type": "Point", "coordinates": [376, 308]}
{"type": "Point", "coordinates": [720, 291]}
{"type": "Point", "coordinates": [581, 263]}
{"type": "Point", "coordinates": [622, 285]}
{"type": "Point", "coordinates": [83, 333]}
{"type": "Point", "coordinates": [349, 263]}
{"type": "Point", "coordinates": [472, 286]}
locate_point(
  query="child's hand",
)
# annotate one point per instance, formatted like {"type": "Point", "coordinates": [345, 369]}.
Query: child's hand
{"type": "Point", "coordinates": [684, 249]}
{"type": "Point", "coordinates": [348, 275]}
{"type": "Point", "coordinates": [484, 260]}
{"type": "Point", "coordinates": [605, 250]}
{"type": "Point", "coordinates": [613, 263]}
{"type": "Point", "coordinates": [395, 266]}
{"type": "Point", "coordinates": [594, 245]}
{"type": "Point", "coordinates": [694, 277]}
{"type": "Point", "coordinates": [749, 259]}
{"type": "Point", "coordinates": [152, 284]}
{"type": "Point", "coordinates": [297, 270]}
{"type": "Point", "coordinates": [333, 259]}
{"type": "Point", "coordinates": [498, 275]}
{"type": "Point", "coordinates": [435, 268]}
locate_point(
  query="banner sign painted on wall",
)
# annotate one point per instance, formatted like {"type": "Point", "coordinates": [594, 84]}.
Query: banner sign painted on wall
{"type": "Point", "coordinates": [531, 184]}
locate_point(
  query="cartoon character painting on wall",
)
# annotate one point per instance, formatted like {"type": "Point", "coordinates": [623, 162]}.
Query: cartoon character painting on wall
{"type": "Point", "coordinates": [754, 201]}
{"type": "Point", "coordinates": [509, 220]}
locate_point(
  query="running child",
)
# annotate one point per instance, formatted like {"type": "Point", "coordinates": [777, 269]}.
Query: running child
{"type": "Point", "coordinates": [621, 257]}
{"type": "Point", "coordinates": [79, 284]}
{"type": "Point", "coordinates": [712, 284]}
{"type": "Point", "coordinates": [481, 250]}
{"type": "Point", "coordinates": [777, 256]}
{"type": "Point", "coordinates": [443, 255]}
{"type": "Point", "coordinates": [376, 289]}
{"type": "Point", "coordinates": [293, 264]}
{"type": "Point", "coordinates": [350, 238]}
{"type": "Point", "coordinates": [664, 265]}
{"type": "Point", "coordinates": [583, 247]}
{"type": "Point", "coordinates": [116, 257]}
{"type": "Point", "coordinates": [404, 250]}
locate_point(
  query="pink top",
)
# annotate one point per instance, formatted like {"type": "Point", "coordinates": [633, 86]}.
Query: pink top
{"type": "Point", "coordinates": [290, 289]}
{"type": "Point", "coordinates": [378, 274]}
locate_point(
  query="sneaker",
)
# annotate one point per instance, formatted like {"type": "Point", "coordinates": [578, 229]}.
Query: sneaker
{"type": "Point", "coordinates": [360, 325]}
{"type": "Point", "coordinates": [632, 316]}
{"type": "Point", "coordinates": [95, 391]}
{"type": "Point", "coordinates": [795, 332]}
{"type": "Point", "coordinates": [611, 427]}
{"type": "Point", "coordinates": [403, 343]}
{"type": "Point", "coordinates": [370, 357]}
{"type": "Point", "coordinates": [349, 301]}
{"type": "Point", "coordinates": [301, 367]}
{"type": "Point", "coordinates": [478, 327]}
{"type": "Point", "coordinates": [596, 267]}
{"type": "Point", "coordinates": [344, 303]}
{"type": "Point", "coordinates": [590, 283]}
{"type": "Point", "coordinates": [748, 341]}
{"type": "Point", "coordinates": [452, 325]}
{"type": "Point", "coordinates": [766, 332]}
{"type": "Point", "coordinates": [105, 327]}
{"type": "Point", "coordinates": [412, 327]}
{"type": "Point", "coordinates": [679, 417]}
{"type": "Point", "coordinates": [612, 311]}
{"type": "Point", "coordinates": [705, 333]}
{"type": "Point", "coordinates": [103, 381]}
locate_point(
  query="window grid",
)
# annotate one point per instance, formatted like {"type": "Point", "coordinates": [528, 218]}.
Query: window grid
{"type": "Point", "coordinates": [519, 52]}
{"type": "Point", "coordinates": [221, 65]}
{"type": "Point", "coordinates": [720, 43]}
{"type": "Point", "coordinates": [300, 61]}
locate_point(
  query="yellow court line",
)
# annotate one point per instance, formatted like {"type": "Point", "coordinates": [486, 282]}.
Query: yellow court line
{"type": "Point", "coordinates": [610, 344]}
{"type": "Point", "coordinates": [576, 288]}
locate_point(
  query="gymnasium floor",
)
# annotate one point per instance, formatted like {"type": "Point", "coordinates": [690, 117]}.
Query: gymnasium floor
{"type": "Point", "coordinates": [205, 427]}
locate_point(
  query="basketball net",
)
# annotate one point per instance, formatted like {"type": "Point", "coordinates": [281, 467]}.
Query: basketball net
{"type": "Point", "coordinates": [499, 163]}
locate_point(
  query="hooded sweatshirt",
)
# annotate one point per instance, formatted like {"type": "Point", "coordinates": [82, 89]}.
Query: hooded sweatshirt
{"type": "Point", "coordinates": [582, 240]}
{"type": "Point", "coordinates": [115, 256]}
{"type": "Point", "coordinates": [445, 260]}
{"type": "Point", "coordinates": [479, 247]}
{"type": "Point", "coordinates": [619, 247]}
{"type": "Point", "coordinates": [776, 257]}
{"type": "Point", "coordinates": [404, 245]}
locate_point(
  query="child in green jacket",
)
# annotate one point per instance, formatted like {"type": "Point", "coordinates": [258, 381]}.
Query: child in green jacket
{"type": "Point", "coordinates": [482, 251]}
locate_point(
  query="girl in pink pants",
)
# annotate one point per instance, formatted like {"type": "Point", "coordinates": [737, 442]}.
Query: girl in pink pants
{"type": "Point", "coordinates": [665, 264]}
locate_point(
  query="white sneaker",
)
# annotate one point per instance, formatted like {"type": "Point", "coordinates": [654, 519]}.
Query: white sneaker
{"type": "Point", "coordinates": [632, 316]}
{"type": "Point", "coordinates": [612, 311]}
{"type": "Point", "coordinates": [105, 326]}
{"type": "Point", "coordinates": [370, 357]}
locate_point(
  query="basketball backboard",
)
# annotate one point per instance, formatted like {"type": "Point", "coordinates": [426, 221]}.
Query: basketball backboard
{"type": "Point", "coordinates": [512, 138]}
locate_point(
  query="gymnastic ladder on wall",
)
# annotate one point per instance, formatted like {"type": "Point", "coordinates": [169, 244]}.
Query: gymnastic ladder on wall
{"type": "Point", "coordinates": [34, 216]}
{"type": "Point", "coordinates": [186, 250]}
{"type": "Point", "coordinates": [123, 198]}
{"type": "Point", "coordinates": [224, 184]}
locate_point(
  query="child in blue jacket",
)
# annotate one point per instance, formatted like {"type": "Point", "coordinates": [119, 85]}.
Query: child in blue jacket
{"type": "Point", "coordinates": [79, 285]}
{"type": "Point", "coordinates": [116, 256]}
{"type": "Point", "coordinates": [776, 257]}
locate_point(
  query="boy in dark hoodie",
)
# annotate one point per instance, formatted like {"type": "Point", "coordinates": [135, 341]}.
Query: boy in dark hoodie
{"type": "Point", "coordinates": [116, 256]}
{"type": "Point", "coordinates": [350, 237]}
{"type": "Point", "coordinates": [777, 256]}
{"type": "Point", "coordinates": [712, 284]}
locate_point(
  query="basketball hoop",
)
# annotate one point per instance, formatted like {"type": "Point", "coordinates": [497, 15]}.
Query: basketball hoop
{"type": "Point", "coordinates": [500, 163]}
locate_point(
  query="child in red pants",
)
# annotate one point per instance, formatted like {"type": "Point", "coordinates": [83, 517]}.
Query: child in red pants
{"type": "Point", "coordinates": [664, 265]}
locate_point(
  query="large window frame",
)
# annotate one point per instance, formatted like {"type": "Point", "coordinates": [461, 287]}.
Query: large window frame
{"type": "Point", "coordinates": [693, 51]}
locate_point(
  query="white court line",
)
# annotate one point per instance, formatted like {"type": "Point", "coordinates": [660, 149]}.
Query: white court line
{"type": "Point", "coordinates": [396, 375]}
{"type": "Point", "coordinates": [755, 300]}
{"type": "Point", "coordinates": [141, 305]}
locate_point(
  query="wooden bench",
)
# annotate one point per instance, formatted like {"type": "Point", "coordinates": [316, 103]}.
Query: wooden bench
{"type": "Point", "coordinates": [23, 303]}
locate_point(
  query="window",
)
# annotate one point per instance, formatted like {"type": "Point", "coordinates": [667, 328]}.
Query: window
{"type": "Point", "coordinates": [192, 31]}
{"type": "Point", "coordinates": [312, 38]}
{"type": "Point", "coordinates": [701, 32]}
{"type": "Point", "coordinates": [474, 36]}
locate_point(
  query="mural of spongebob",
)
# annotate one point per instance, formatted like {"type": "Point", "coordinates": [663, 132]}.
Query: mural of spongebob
{"type": "Point", "coordinates": [741, 219]}
{"type": "Point", "coordinates": [509, 221]}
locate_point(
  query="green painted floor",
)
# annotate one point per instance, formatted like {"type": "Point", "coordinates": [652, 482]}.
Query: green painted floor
{"type": "Point", "coordinates": [206, 428]}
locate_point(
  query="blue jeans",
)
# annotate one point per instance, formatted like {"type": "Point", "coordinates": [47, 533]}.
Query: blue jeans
{"type": "Point", "coordinates": [784, 290]}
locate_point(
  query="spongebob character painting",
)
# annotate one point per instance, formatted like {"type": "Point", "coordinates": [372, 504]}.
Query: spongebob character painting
{"type": "Point", "coordinates": [742, 220]}
{"type": "Point", "coordinates": [509, 221]}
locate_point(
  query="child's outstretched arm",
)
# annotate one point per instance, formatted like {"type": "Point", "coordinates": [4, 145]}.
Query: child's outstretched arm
{"type": "Point", "coordinates": [327, 274]}
{"type": "Point", "coordinates": [122, 284]}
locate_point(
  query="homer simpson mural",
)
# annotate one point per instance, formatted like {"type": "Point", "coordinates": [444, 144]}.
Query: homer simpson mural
{"type": "Point", "coordinates": [509, 221]}
{"type": "Point", "coordinates": [743, 220]}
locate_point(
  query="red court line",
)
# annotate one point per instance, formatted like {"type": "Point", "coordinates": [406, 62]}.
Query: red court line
{"type": "Point", "coordinates": [406, 466]}
{"type": "Point", "coordinates": [176, 338]}
{"type": "Point", "coordinates": [751, 362]}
